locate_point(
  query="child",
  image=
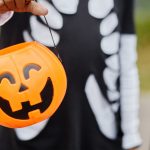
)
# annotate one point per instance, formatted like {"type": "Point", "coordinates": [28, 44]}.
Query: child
{"type": "Point", "coordinates": [97, 43]}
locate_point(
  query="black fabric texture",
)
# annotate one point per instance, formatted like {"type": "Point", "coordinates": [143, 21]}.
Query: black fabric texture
{"type": "Point", "coordinates": [73, 126]}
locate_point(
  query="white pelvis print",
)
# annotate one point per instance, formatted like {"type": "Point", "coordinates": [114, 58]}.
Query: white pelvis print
{"type": "Point", "coordinates": [103, 10]}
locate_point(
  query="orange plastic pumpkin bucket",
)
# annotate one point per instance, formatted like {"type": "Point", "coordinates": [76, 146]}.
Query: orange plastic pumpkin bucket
{"type": "Point", "coordinates": [32, 84]}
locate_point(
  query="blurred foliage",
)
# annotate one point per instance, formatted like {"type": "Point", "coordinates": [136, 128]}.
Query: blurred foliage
{"type": "Point", "coordinates": [143, 32]}
{"type": "Point", "coordinates": [143, 4]}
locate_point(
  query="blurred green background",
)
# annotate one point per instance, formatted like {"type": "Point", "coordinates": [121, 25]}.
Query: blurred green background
{"type": "Point", "coordinates": [142, 19]}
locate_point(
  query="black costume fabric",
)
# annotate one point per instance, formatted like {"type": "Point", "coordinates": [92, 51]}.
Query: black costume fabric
{"type": "Point", "coordinates": [93, 113]}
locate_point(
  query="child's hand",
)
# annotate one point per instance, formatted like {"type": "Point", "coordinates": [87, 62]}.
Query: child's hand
{"type": "Point", "coordinates": [22, 6]}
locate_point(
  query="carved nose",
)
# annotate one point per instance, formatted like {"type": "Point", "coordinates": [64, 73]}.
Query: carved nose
{"type": "Point", "coordinates": [23, 88]}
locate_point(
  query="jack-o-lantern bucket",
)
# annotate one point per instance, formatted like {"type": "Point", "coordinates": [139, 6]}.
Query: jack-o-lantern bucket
{"type": "Point", "coordinates": [32, 84]}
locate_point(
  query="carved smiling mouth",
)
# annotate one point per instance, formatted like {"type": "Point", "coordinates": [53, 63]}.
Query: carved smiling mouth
{"type": "Point", "coordinates": [46, 96]}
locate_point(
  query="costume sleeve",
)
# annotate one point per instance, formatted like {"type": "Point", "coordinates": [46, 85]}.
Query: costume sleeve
{"type": "Point", "coordinates": [5, 17]}
{"type": "Point", "coordinates": [129, 81]}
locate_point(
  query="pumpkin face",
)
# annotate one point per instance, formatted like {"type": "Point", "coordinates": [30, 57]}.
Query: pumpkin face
{"type": "Point", "coordinates": [32, 84]}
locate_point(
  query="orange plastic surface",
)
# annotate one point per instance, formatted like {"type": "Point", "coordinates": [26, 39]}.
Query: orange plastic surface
{"type": "Point", "coordinates": [13, 60]}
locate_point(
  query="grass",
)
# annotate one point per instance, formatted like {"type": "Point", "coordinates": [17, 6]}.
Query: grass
{"type": "Point", "coordinates": [143, 32]}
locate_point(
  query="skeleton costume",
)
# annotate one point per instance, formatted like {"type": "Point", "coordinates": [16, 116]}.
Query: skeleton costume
{"type": "Point", "coordinates": [97, 44]}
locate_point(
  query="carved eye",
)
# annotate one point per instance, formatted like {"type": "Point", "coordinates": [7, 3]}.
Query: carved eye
{"type": "Point", "coordinates": [7, 76]}
{"type": "Point", "coordinates": [29, 67]}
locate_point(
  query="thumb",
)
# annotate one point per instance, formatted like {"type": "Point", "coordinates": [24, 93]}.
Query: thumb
{"type": "Point", "coordinates": [36, 8]}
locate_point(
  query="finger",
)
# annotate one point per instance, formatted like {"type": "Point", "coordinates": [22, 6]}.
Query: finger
{"type": "Point", "coordinates": [9, 4]}
{"type": "Point", "coordinates": [3, 8]}
{"type": "Point", "coordinates": [35, 8]}
{"type": "Point", "coordinates": [20, 3]}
